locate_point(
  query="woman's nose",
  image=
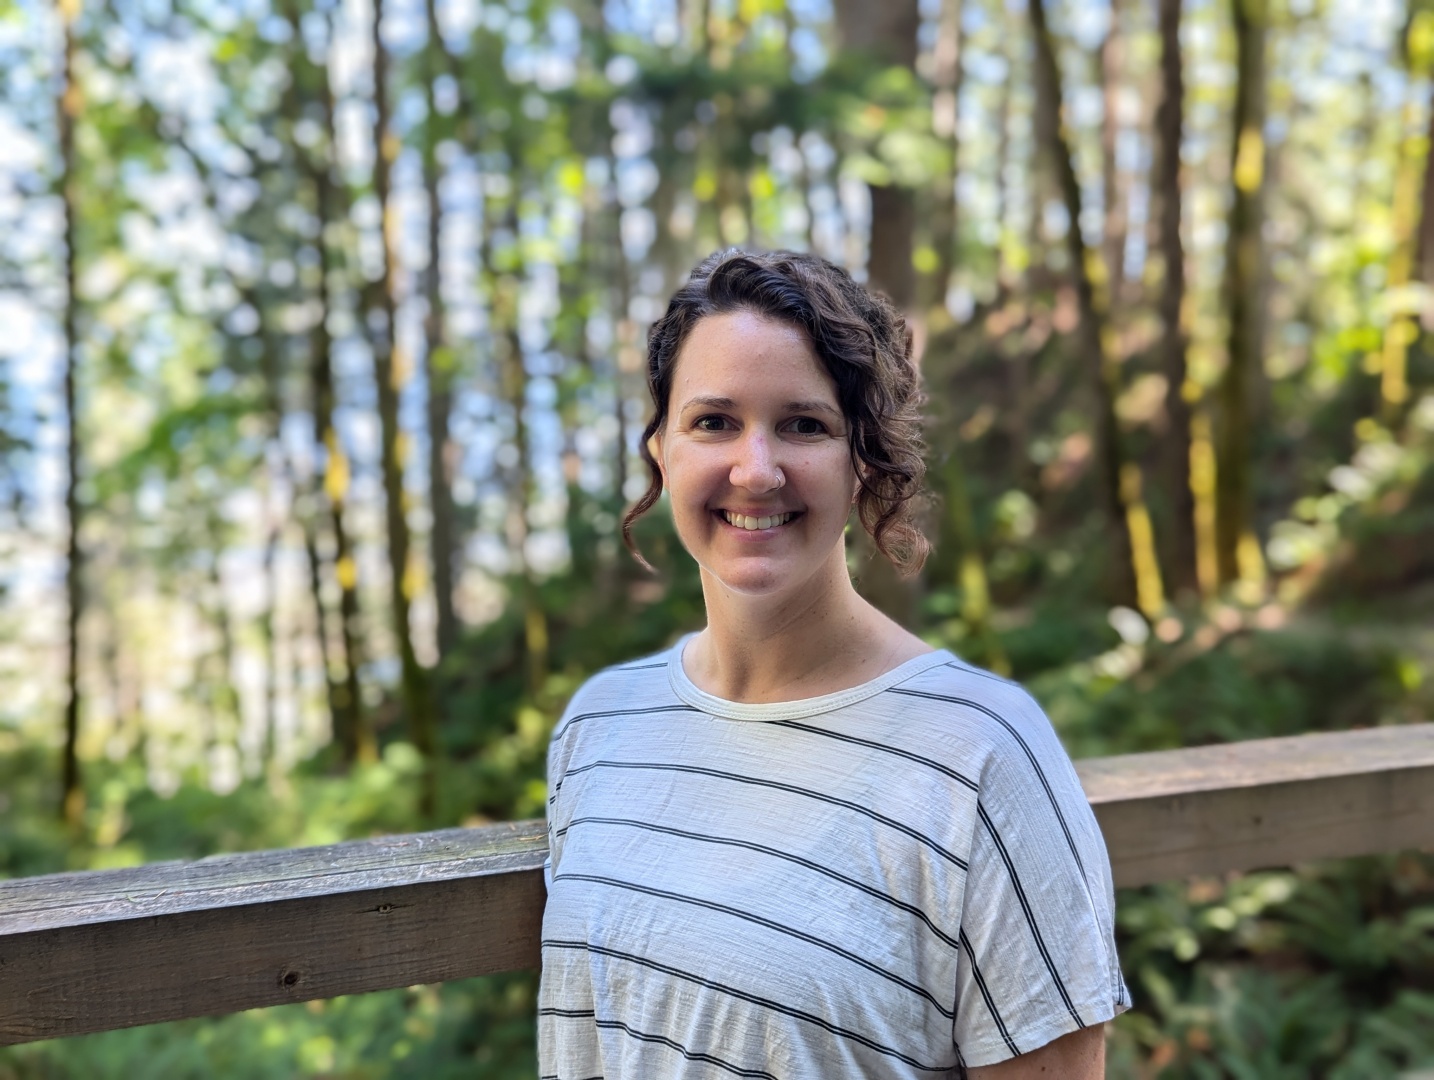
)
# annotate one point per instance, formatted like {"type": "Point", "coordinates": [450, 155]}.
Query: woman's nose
{"type": "Point", "coordinates": [756, 467]}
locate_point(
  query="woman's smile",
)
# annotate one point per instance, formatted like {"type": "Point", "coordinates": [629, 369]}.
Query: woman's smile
{"type": "Point", "coordinates": [754, 522]}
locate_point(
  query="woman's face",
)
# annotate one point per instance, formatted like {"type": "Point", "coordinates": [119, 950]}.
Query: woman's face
{"type": "Point", "coordinates": [755, 455]}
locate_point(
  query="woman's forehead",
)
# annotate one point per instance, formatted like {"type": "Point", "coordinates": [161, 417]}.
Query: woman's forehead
{"type": "Point", "coordinates": [739, 355]}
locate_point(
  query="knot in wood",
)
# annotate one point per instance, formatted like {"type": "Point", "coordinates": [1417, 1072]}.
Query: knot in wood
{"type": "Point", "coordinates": [289, 978]}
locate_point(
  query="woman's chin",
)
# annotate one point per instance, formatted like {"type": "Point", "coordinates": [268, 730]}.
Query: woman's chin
{"type": "Point", "coordinates": [754, 577]}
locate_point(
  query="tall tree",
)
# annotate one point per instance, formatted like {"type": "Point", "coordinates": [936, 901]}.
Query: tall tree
{"type": "Point", "coordinates": [947, 74]}
{"type": "Point", "coordinates": [438, 361]}
{"type": "Point", "coordinates": [1110, 61]}
{"type": "Point", "coordinates": [1424, 254]}
{"type": "Point", "coordinates": [505, 294]}
{"type": "Point", "coordinates": [359, 743]}
{"type": "Point", "coordinates": [1174, 341]}
{"type": "Point", "coordinates": [1408, 227]}
{"type": "Point", "coordinates": [1136, 568]}
{"type": "Point", "coordinates": [1243, 294]}
{"type": "Point", "coordinates": [887, 32]}
{"type": "Point", "coordinates": [326, 487]}
{"type": "Point", "coordinates": [72, 799]}
{"type": "Point", "coordinates": [391, 371]}
{"type": "Point", "coordinates": [971, 579]}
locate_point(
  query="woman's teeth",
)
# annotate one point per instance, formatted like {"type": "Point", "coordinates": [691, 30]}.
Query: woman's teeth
{"type": "Point", "coordinates": [744, 522]}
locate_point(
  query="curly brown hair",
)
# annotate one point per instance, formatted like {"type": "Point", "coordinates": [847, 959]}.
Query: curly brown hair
{"type": "Point", "coordinates": [864, 345]}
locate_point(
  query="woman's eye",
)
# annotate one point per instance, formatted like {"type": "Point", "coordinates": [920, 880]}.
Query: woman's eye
{"type": "Point", "coordinates": [805, 425]}
{"type": "Point", "coordinates": [710, 423]}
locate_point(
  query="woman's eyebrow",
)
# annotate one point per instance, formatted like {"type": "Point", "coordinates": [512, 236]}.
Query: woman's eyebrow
{"type": "Point", "coordinates": [812, 406]}
{"type": "Point", "coordinates": [710, 402]}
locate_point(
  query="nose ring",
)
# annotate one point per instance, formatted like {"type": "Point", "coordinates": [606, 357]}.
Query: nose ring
{"type": "Point", "coordinates": [781, 477]}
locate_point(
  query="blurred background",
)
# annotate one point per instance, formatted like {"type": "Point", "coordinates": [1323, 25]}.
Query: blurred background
{"type": "Point", "coordinates": [322, 327]}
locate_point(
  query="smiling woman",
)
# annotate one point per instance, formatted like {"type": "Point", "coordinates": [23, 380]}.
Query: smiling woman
{"type": "Point", "coordinates": [803, 843]}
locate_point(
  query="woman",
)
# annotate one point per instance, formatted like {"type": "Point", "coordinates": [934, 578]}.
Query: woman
{"type": "Point", "coordinates": [802, 843]}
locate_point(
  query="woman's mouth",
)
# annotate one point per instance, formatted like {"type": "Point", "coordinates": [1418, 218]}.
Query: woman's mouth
{"type": "Point", "coordinates": [751, 524]}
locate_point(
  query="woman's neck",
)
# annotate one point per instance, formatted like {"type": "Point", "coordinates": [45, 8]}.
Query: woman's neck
{"type": "Point", "coordinates": [824, 639]}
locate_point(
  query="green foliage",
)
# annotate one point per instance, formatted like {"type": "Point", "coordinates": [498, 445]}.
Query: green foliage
{"type": "Point", "coordinates": [1248, 686]}
{"type": "Point", "coordinates": [473, 1027]}
{"type": "Point", "coordinates": [213, 272]}
{"type": "Point", "coordinates": [1319, 973]}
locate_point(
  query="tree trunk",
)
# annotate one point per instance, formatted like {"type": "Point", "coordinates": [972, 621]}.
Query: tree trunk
{"type": "Point", "coordinates": [350, 720]}
{"type": "Point", "coordinates": [1424, 259]}
{"type": "Point", "coordinates": [1005, 273]}
{"type": "Point", "coordinates": [1405, 262]}
{"type": "Point", "coordinates": [1238, 549]}
{"type": "Point", "coordinates": [224, 708]}
{"type": "Point", "coordinates": [887, 31]}
{"type": "Point", "coordinates": [329, 489]}
{"type": "Point", "coordinates": [945, 116]}
{"type": "Point", "coordinates": [268, 618]}
{"type": "Point", "coordinates": [520, 487]}
{"type": "Point", "coordinates": [333, 688]}
{"type": "Point", "coordinates": [361, 744]}
{"type": "Point", "coordinates": [971, 581]}
{"type": "Point", "coordinates": [1136, 571]}
{"type": "Point", "coordinates": [72, 796]}
{"type": "Point", "coordinates": [438, 371]}
{"type": "Point", "coordinates": [391, 370]}
{"type": "Point", "coordinates": [1111, 63]}
{"type": "Point", "coordinates": [1168, 197]}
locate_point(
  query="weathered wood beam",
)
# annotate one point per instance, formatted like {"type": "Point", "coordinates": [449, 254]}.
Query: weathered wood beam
{"type": "Point", "coordinates": [1265, 802]}
{"type": "Point", "coordinates": [114, 948]}
{"type": "Point", "coordinates": [95, 951]}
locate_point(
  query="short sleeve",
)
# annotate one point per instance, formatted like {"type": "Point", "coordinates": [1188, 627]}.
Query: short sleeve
{"type": "Point", "coordinates": [1037, 943]}
{"type": "Point", "coordinates": [554, 779]}
{"type": "Point", "coordinates": [559, 752]}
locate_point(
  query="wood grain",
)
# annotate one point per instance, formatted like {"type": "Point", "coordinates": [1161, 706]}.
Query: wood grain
{"type": "Point", "coordinates": [95, 951]}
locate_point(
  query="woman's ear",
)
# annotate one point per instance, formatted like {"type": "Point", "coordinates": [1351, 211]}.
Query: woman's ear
{"type": "Point", "coordinates": [654, 447]}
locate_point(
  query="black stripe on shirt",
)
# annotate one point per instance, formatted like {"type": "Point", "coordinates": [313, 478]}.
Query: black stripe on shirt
{"type": "Point", "coordinates": [1030, 755]}
{"type": "Point", "coordinates": [986, 995]}
{"type": "Point", "coordinates": [751, 999]}
{"type": "Point", "coordinates": [876, 894]}
{"type": "Point", "coordinates": [919, 837]}
{"type": "Point", "coordinates": [770, 924]}
{"type": "Point", "coordinates": [619, 712]}
{"type": "Point", "coordinates": [1050, 795]}
{"type": "Point", "coordinates": [1030, 915]}
{"type": "Point", "coordinates": [690, 1055]}
{"type": "Point", "coordinates": [972, 669]}
{"type": "Point", "coordinates": [885, 747]}
{"type": "Point", "coordinates": [553, 795]}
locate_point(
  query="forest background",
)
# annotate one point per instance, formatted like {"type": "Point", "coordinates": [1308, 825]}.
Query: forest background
{"type": "Point", "coordinates": [322, 329]}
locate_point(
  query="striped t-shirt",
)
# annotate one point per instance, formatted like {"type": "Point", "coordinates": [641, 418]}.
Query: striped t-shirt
{"type": "Point", "coordinates": [894, 880]}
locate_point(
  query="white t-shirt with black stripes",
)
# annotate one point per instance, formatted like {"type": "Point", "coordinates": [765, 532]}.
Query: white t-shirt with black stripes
{"type": "Point", "coordinates": [888, 881]}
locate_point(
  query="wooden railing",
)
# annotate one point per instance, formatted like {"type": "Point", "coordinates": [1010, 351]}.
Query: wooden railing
{"type": "Point", "coordinates": [108, 949]}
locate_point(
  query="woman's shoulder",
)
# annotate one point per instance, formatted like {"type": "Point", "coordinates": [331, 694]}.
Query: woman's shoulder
{"type": "Point", "coordinates": [967, 688]}
{"type": "Point", "coordinates": [631, 684]}
{"type": "Point", "coordinates": [627, 674]}
{"type": "Point", "coordinates": [993, 717]}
